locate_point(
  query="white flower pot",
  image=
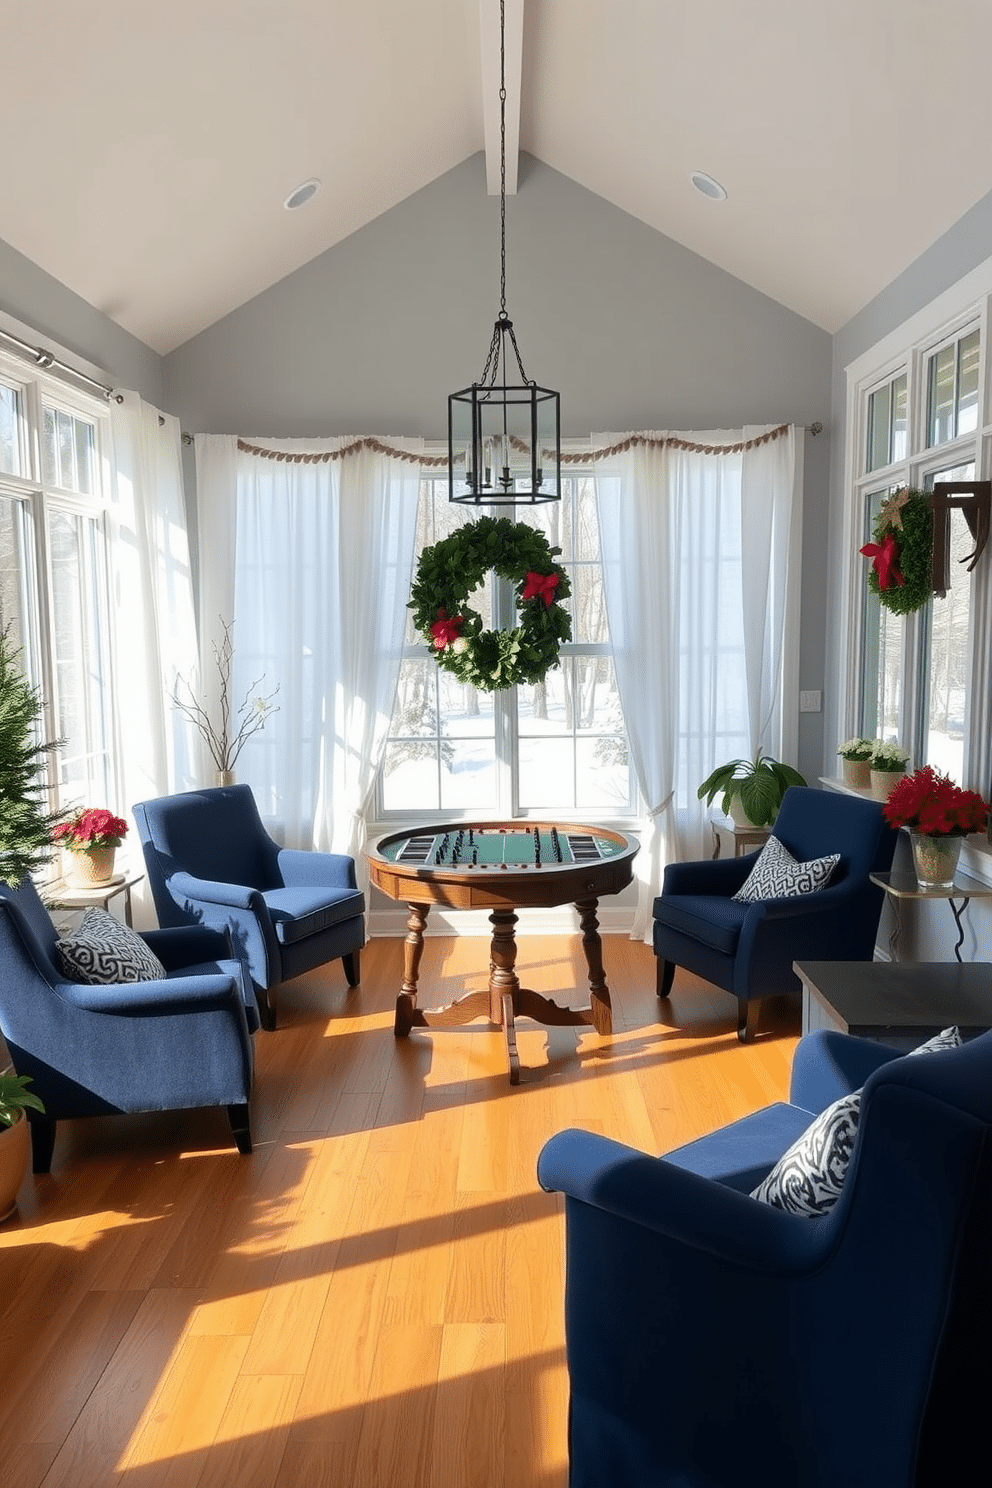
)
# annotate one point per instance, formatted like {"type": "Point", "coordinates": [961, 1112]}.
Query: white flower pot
{"type": "Point", "coordinates": [738, 815]}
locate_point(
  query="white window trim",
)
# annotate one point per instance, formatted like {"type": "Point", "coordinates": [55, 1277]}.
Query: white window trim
{"type": "Point", "coordinates": [506, 726]}
{"type": "Point", "coordinates": [615, 914]}
{"type": "Point", "coordinates": [907, 347]}
{"type": "Point", "coordinates": [36, 385]}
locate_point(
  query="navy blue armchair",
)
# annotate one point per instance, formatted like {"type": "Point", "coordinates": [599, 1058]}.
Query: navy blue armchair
{"type": "Point", "coordinates": [161, 1045]}
{"type": "Point", "coordinates": [210, 861]}
{"type": "Point", "coordinates": [748, 949]}
{"type": "Point", "coordinates": [717, 1342]}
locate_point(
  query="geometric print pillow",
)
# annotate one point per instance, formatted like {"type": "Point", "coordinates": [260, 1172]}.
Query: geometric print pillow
{"type": "Point", "coordinates": [103, 952]}
{"type": "Point", "coordinates": [807, 1179]}
{"type": "Point", "coordinates": [777, 875]}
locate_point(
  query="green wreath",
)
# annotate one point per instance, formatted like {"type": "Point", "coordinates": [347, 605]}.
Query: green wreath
{"type": "Point", "coordinates": [902, 553]}
{"type": "Point", "coordinates": [452, 570]}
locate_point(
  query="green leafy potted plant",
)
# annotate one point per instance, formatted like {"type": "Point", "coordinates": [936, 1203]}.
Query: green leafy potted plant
{"type": "Point", "coordinates": [855, 757]}
{"type": "Point", "coordinates": [14, 1101]}
{"type": "Point", "coordinates": [888, 766]}
{"type": "Point", "coordinates": [752, 789]}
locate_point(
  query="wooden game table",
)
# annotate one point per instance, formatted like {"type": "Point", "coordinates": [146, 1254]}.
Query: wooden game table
{"type": "Point", "coordinates": [502, 867]}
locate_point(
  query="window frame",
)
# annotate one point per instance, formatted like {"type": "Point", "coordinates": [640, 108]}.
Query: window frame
{"type": "Point", "coordinates": [506, 732]}
{"type": "Point", "coordinates": [39, 502]}
{"type": "Point", "coordinates": [909, 349]}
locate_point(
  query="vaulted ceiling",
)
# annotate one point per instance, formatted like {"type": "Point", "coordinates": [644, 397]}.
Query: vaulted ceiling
{"type": "Point", "coordinates": [148, 148]}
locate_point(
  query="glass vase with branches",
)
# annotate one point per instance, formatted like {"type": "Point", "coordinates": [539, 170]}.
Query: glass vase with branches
{"type": "Point", "coordinates": [237, 724]}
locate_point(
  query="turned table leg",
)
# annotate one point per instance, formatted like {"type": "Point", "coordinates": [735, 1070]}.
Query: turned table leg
{"type": "Point", "coordinates": [503, 983]}
{"type": "Point", "coordinates": [413, 949]}
{"type": "Point", "coordinates": [599, 999]}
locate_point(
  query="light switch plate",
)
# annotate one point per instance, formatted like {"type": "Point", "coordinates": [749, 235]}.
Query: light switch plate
{"type": "Point", "coordinates": [810, 702]}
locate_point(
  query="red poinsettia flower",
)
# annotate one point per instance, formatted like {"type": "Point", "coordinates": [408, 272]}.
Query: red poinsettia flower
{"type": "Point", "coordinates": [883, 555]}
{"type": "Point", "coordinates": [541, 586]}
{"type": "Point", "coordinates": [446, 630]}
{"type": "Point", "coordinates": [930, 802]}
{"type": "Point", "coordinates": [93, 827]}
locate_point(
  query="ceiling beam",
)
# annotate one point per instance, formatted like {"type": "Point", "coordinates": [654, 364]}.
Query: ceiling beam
{"type": "Point", "coordinates": [514, 49]}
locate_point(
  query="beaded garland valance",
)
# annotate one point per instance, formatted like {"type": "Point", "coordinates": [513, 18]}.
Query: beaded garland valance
{"type": "Point", "coordinates": [582, 457]}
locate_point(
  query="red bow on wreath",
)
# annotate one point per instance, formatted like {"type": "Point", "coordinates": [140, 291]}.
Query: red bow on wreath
{"type": "Point", "coordinates": [541, 586]}
{"type": "Point", "coordinates": [883, 556]}
{"type": "Point", "coordinates": [446, 631]}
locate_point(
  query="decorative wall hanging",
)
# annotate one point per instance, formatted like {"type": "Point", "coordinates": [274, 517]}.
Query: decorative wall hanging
{"type": "Point", "coordinates": [911, 551]}
{"type": "Point", "coordinates": [450, 571]}
{"type": "Point", "coordinates": [973, 499]}
{"type": "Point", "coordinates": [901, 571]}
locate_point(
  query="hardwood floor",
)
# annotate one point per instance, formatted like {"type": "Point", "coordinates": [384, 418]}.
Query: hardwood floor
{"type": "Point", "coordinates": [374, 1297]}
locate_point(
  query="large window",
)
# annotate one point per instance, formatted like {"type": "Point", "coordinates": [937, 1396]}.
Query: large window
{"type": "Point", "coordinates": [559, 746]}
{"type": "Point", "coordinates": [53, 571]}
{"type": "Point", "coordinates": [919, 679]}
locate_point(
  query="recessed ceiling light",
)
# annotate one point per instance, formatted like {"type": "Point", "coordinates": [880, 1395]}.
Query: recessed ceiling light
{"type": "Point", "coordinates": [302, 194]}
{"type": "Point", "coordinates": [707, 186]}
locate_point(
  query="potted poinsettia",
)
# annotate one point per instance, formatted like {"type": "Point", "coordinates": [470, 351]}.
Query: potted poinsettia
{"type": "Point", "coordinates": [92, 836]}
{"type": "Point", "coordinates": [938, 815]}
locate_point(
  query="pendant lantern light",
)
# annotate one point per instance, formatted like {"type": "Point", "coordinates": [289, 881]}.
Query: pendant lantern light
{"type": "Point", "coordinates": [504, 437]}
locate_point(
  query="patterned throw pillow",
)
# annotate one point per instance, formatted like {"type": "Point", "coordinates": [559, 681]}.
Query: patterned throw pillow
{"type": "Point", "coordinates": [103, 951]}
{"type": "Point", "coordinates": [807, 1179]}
{"type": "Point", "coordinates": [777, 875]}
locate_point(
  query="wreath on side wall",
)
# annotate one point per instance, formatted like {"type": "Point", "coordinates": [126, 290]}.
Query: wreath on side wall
{"type": "Point", "coordinates": [450, 571]}
{"type": "Point", "coordinates": [902, 554]}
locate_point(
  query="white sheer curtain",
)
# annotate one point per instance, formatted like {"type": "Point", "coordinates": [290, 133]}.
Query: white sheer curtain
{"type": "Point", "coordinates": [703, 612]}
{"type": "Point", "coordinates": [321, 555]}
{"type": "Point", "coordinates": [152, 599]}
{"type": "Point", "coordinates": [771, 544]}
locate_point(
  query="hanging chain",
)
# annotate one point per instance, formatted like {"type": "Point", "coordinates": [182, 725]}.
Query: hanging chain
{"type": "Point", "coordinates": [502, 158]}
{"type": "Point", "coordinates": [504, 325]}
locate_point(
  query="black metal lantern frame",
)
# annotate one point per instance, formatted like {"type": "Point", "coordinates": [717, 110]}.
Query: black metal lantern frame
{"type": "Point", "coordinates": [504, 438]}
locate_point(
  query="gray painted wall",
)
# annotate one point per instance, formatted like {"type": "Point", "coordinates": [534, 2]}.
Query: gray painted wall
{"type": "Point", "coordinates": [34, 297]}
{"type": "Point", "coordinates": [370, 337]}
{"type": "Point", "coordinates": [633, 330]}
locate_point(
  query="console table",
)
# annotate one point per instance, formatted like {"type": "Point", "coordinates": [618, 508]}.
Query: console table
{"type": "Point", "coordinates": [904, 885]}
{"type": "Point", "coordinates": [899, 1003]}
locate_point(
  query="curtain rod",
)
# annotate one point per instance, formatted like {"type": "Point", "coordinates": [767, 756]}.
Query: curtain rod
{"type": "Point", "coordinates": [815, 428]}
{"type": "Point", "coordinates": [47, 359]}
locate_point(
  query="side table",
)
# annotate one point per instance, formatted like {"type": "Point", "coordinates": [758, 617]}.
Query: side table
{"type": "Point", "coordinates": [899, 1003]}
{"type": "Point", "coordinates": [60, 894]}
{"type": "Point", "coordinates": [740, 838]}
{"type": "Point", "coordinates": [902, 885]}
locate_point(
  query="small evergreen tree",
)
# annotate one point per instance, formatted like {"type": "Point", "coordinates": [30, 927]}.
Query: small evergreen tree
{"type": "Point", "coordinates": [26, 824]}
